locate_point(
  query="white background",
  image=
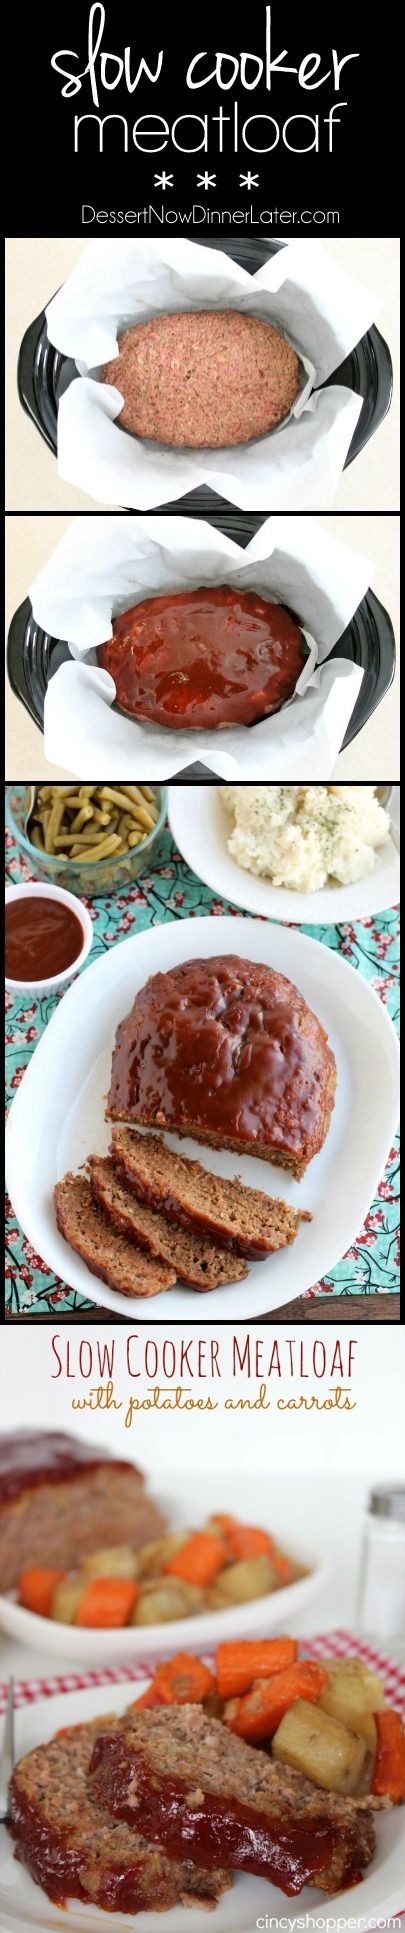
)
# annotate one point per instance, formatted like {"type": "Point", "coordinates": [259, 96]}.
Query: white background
{"type": "Point", "coordinates": [313, 1469]}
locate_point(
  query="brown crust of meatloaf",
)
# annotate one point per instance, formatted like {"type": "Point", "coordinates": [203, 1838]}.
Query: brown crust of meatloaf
{"type": "Point", "coordinates": [204, 380]}
{"type": "Point", "coordinates": [195, 1260]}
{"type": "Point", "coordinates": [182, 1744]}
{"type": "Point", "coordinates": [65, 1838]}
{"type": "Point", "coordinates": [59, 1499]}
{"type": "Point", "coordinates": [244, 1220]}
{"type": "Point", "coordinates": [106, 1253]}
{"type": "Point", "coordinates": [226, 1051]}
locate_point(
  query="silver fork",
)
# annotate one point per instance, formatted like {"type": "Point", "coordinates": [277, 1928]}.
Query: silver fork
{"type": "Point", "coordinates": [7, 1754]}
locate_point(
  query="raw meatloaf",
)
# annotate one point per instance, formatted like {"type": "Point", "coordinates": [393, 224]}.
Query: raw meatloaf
{"type": "Point", "coordinates": [227, 1051]}
{"type": "Point", "coordinates": [194, 1259]}
{"type": "Point", "coordinates": [106, 1253]}
{"type": "Point", "coordinates": [61, 1499]}
{"type": "Point", "coordinates": [203, 380]}
{"type": "Point", "coordinates": [204, 658]}
{"type": "Point", "coordinates": [70, 1847]}
{"type": "Point", "coordinates": [194, 1786]}
{"type": "Point", "coordinates": [244, 1220]}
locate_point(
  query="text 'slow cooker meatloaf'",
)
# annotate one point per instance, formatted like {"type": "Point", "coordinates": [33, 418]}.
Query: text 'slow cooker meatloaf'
{"type": "Point", "coordinates": [203, 380]}
{"type": "Point", "coordinates": [204, 658]}
{"type": "Point", "coordinates": [195, 1787]}
{"type": "Point", "coordinates": [70, 1847]}
{"type": "Point", "coordinates": [227, 1051]}
{"type": "Point", "coordinates": [61, 1499]}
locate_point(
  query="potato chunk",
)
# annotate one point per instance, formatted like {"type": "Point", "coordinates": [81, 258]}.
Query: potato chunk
{"type": "Point", "coordinates": [321, 1748]}
{"type": "Point", "coordinates": [66, 1598]}
{"type": "Point", "coordinates": [117, 1561]}
{"type": "Point", "coordinates": [165, 1599]}
{"type": "Point", "coordinates": [153, 1557]}
{"type": "Point", "coordinates": [352, 1694]}
{"type": "Point", "coordinates": [238, 1583]}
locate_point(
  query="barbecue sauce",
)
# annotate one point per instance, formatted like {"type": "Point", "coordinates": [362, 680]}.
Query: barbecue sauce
{"type": "Point", "coordinates": [43, 937]}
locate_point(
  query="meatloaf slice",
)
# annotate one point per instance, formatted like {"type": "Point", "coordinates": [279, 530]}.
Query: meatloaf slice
{"type": "Point", "coordinates": [62, 1499]}
{"type": "Point", "coordinates": [72, 1850]}
{"type": "Point", "coordinates": [226, 1050]}
{"type": "Point", "coordinates": [195, 1260]}
{"type": "Point", "coordinates": [106, 1254]}
{"type": "Point", "coordinates": [243, 1220]}
{"type": "Point", "coordinates": [195, 1786]}
{"type": "Point", "coordinates": [203, 380]}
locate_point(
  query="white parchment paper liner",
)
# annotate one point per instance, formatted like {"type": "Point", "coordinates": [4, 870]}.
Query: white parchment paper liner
{"type": "Point", "coordinates": [104, 564]}
{"type": "Point", "coordinates": [301, 289]}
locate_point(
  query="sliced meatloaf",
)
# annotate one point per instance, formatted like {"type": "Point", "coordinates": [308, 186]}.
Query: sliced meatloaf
{"type": "Point", "coordinates": [194, 1259]}
{"type": "Point", "coordinates": [204, 380]}
{"type": "Point", "coordinates": [72, 1850]}
{"type": "Point", "coordinates": [62, 1499]}
{"type": "Point", "coordinates": [196, 1786]}
{"type": "Point", "coordinates": [226, 1050]}
{"type": "Point", "coordinates": [107, 1254]}
{"type": "Point", "coordinates": [243, 1219]}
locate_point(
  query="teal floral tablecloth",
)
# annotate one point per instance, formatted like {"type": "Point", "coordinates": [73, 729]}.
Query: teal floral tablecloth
{"type": "Point", "coordinates": [170, 892]}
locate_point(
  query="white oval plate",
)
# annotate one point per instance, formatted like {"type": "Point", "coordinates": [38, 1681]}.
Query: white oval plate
{"type": "Point", "coordinates": [250, 1902]}
{"type": "Point", "coordinates": [57, 1116]}
{"type": "Point", "coordinates": [201, 828]}
{"type": "Point", "coordinates": [261, 1618]}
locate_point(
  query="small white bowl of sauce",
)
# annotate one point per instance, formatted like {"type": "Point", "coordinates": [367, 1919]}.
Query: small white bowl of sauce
{"type": "Point", "coordinates": [48, 936]}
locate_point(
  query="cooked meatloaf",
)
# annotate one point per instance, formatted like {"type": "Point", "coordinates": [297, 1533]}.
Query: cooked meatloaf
{"type": "Point", "coordinates": [227, 1051]}
{"type": "Point", "coordinates": [204, 659]}
{"type": "Point", "coordinates": [194, 1259]}
{"type": "Point", "coordinates": [244, 1220]}
{"type": "Point", "coordinates": [71, 1849]}
{"type": "Point", "coordinates": [61, 1498]}
{"type": "Point", "coordinates": [203, 380]}
{"type": "Point", "coordinates": [107, 1254]}
{"type": "Point", "coordinates": [196, 1787]}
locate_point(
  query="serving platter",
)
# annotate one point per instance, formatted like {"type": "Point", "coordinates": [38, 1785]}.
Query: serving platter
{"type": "Point", "coordinates": [57, 1116]}
{"type": "Point", "coordinates": [250, 1902]}
{"type": "Point", "coordinates": [202, 827]}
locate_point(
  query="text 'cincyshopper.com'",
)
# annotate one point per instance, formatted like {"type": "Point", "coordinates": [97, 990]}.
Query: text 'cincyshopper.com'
{"type": "Point", "coordinates": [306, 1922]}
{"type": "Point", "coordinates": [198, 215]}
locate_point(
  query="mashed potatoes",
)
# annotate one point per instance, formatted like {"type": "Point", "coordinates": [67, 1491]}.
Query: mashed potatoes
{"type": "Point", "coordinates": [302, 836]}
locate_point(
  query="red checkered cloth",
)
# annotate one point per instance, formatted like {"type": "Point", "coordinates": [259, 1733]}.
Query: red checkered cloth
{"type": "Point", "coordinates": [330, 1644]}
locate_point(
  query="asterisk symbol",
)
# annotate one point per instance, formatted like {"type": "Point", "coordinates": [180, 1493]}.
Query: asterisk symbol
{"type": "Point", "coordinates": [163, 180]}
{"type": "Point", "coordinates": [206, 181]}
{"type": "Point", "coordinates": [249, 180]}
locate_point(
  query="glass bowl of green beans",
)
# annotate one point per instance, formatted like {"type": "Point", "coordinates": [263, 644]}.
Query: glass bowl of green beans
{"type": "Point", "coordinates": [92, 839]}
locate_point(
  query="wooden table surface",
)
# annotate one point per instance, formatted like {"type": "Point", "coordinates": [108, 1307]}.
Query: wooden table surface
{"type": "Point", "coordinates": [334, 1308]}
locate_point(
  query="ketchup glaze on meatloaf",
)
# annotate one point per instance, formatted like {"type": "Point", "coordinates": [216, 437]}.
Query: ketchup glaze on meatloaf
{"type": "Point", "coordinates": [203, 380]}
{"type": "Point", "coordinates": [208, 657]}
{"type": "Point", "coordinates": [226, 1050]}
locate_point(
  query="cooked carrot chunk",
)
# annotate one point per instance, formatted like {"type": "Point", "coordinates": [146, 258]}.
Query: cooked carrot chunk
{"type": "Point", "coordinates": [240, 1663]}
{"type": "Point", "coordinates": [35, 1589]}
{"type": "Point", "coordinates": [389, 1770]}
{"type": "Point", "coordinates": [247, 1540]}
{"type": "Point", "coordinates": [184, 1680]}
{"type": "Point", "coordinates": [198, 1560]}
{"type": "Point", "coordinates": [107, 1602]}
{"type": "Point", "coordinates": [258, 1715]}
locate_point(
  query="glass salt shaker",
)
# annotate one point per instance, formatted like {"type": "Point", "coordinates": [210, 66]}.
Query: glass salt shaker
{"type": "Point", "coordinates": [381, 1602]}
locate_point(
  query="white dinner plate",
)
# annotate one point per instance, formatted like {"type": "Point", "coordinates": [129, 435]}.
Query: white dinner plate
{"type": "Point", "coordinates": [201, 828]}
{"type": "Point", "coordinates": [249, 1903]}
{"type": "Point", "coordinates": [57, 1116]}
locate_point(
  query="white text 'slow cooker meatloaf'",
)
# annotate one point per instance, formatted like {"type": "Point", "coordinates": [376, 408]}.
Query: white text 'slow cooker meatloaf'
{"type": "Point", "coordinates": [196, 1787]}
{"type": "Point", "coordinates": [227, 1051]}
{"type": "Point", "coordinates": [62, 1499]}
{"type": "Point", "coordinates": [204, 659]}
{"type": "Point", "coordinates": [203, 380]}
{"type": "Point", "coordinates": [73, 1851]}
